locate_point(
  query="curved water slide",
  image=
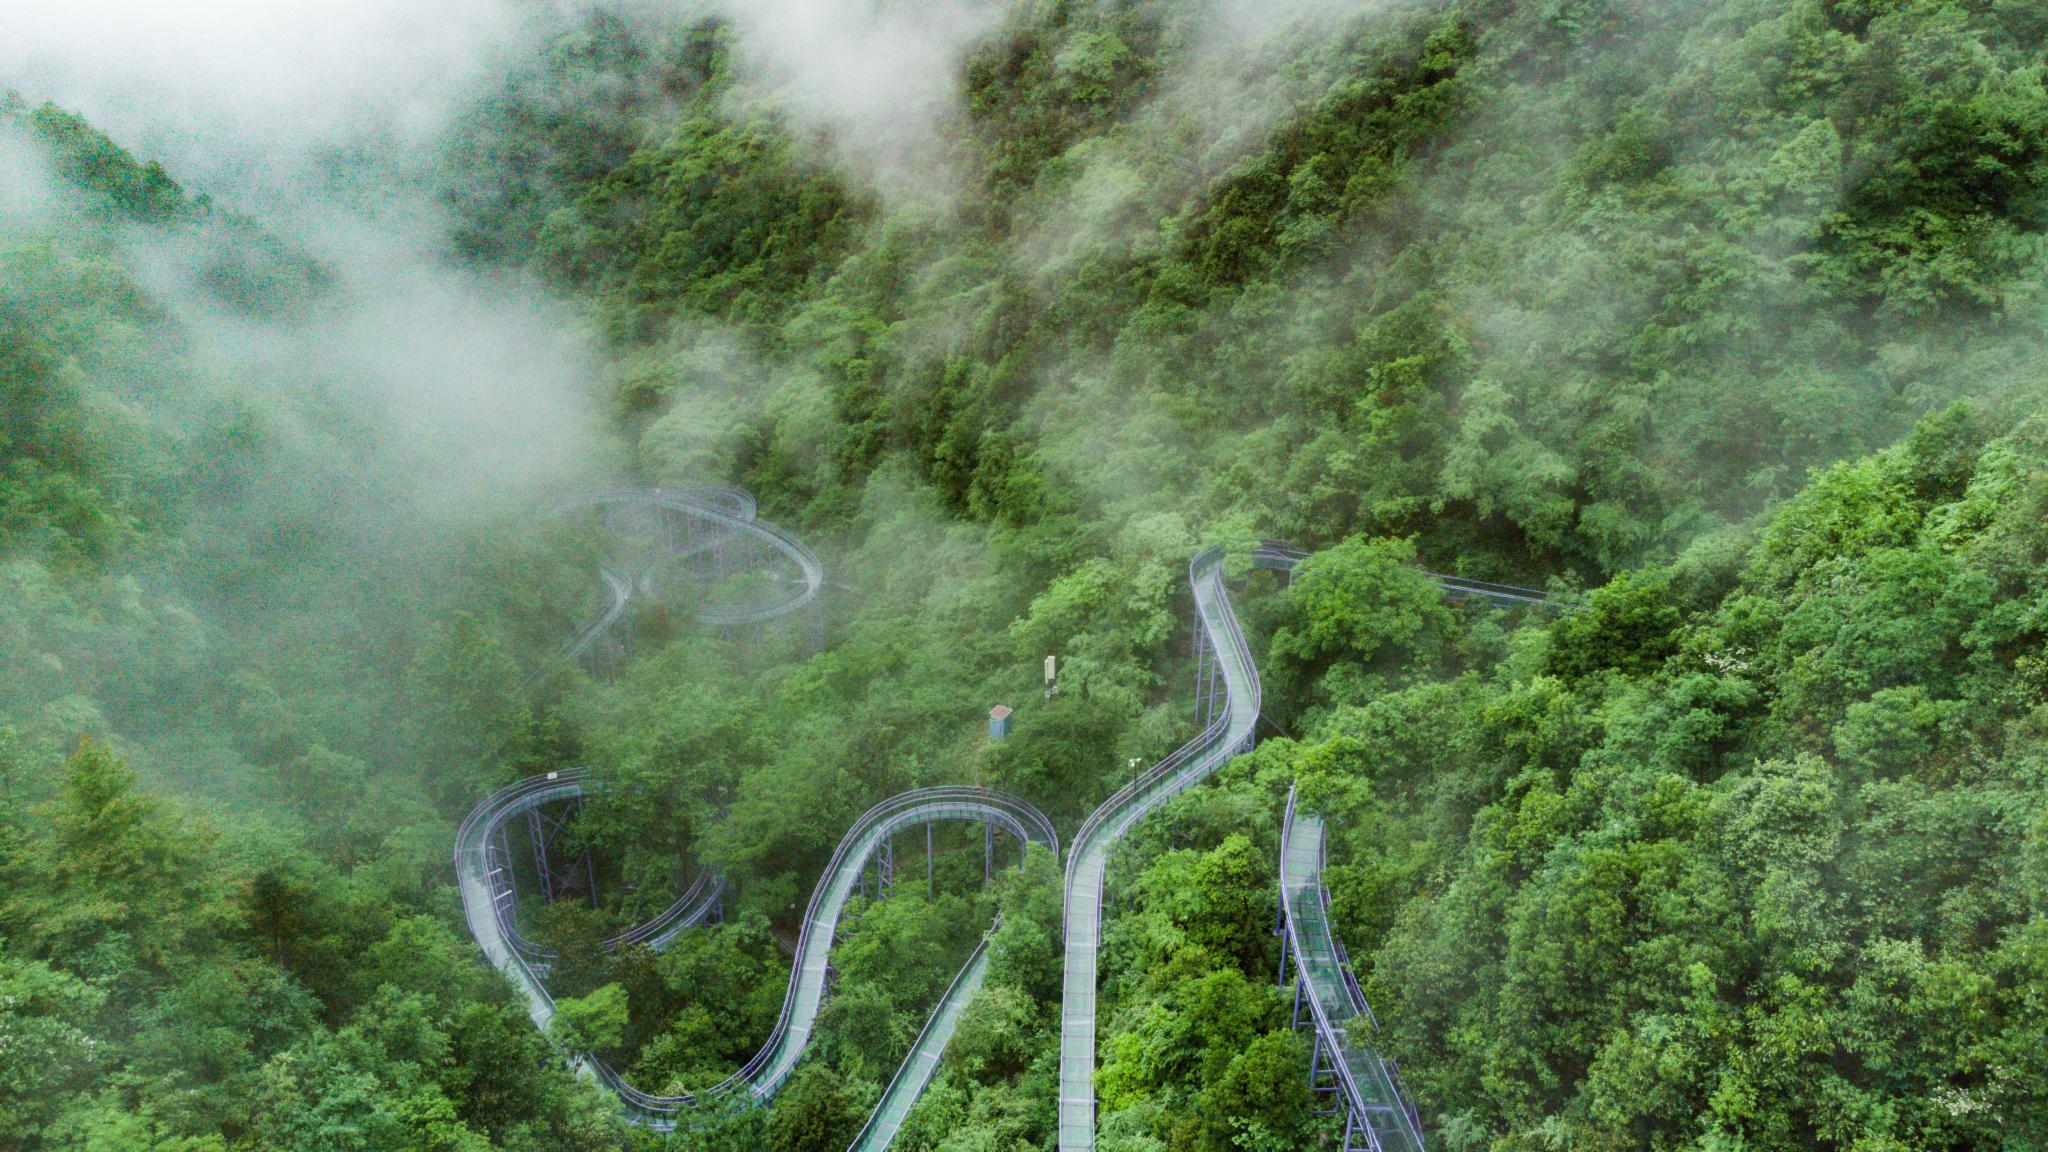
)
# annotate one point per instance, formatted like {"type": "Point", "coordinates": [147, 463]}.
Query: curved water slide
{"type": "Point", "coordinates": [1088, 860]}
{"type": "Point", "coordinates": [483, 866]}
{"type": "Point", "coordinates": [1346, 1065]}
{"type": "Point", "coordinates": [619, 593]}
{"type": "Point", "coordinates": [727, 515]}
{"type": "Point", "coordinates": [489, 900]}
{"type": "Point", "coordinates": [1225, 657]}
{"type": "Point", "coordinates": [692, 908]}
{"type": "Point", "coordinates": [1283, 557]}
{"type": "Point", "coordinates": [483, 875]}
{"type": "Point", "coordinates": [922, 1064]}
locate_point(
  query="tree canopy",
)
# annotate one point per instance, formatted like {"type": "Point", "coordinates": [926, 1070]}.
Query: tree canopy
{"type": "Point", "coordinates": [1722, 321]}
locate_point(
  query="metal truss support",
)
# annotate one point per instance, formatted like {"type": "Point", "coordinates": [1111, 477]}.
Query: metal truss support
{"type": "Point", "coordinates": [1280, 930]}
{"type": "Point", "coordinates": [1353, 1131]}
{"type": "Point", "coordinates": [547, 833]}
{"type": "Point", "coordinates": [608, 656]}
{"type": "Point", "coordinates": [543, 873]}
{"type": "Point", "coordinates": [498, 870]}
{"type": "Point", "coordinates": [1325, 1080]}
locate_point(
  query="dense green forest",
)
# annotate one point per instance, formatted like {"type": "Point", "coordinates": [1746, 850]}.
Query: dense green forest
{"type": "Point", "coordinates": [1723, 320]}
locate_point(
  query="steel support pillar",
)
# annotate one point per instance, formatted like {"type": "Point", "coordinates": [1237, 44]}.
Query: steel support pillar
{"type": "Point", "coordinates": [498, 858]}
{"type": "Point", "coordinates": [1334, 1087]}
{"type": "Point", "coordinates": [547, 833]}
{"type": "Point", "coordinates": [543, 871]}
{"type": "Point", "coordinates": [1205, 678]}
{"type": "Point", "coordinates": [1280, 930]}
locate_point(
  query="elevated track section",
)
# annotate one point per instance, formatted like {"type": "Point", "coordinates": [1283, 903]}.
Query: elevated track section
{"type": "Point", "coordinates": [1346, 1068]}
{"type": "Point", "coordinates": [922, 1064]}
{"type": "Point", "coordinates": [489, 902]}
{"type": "Point", "coordinates": [1228, 698]}
{"type": "Point", "coordinates": [1280, 556]}
{"type": "Point", "coordinates": [1228, 733]}
{"type": "Point", "coordinates": [713, 528]}
{"type": "Point", "coordinates": [722, 523]}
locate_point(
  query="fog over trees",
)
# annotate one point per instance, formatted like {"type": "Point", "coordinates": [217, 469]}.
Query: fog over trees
{"type": "Point", "coordinates": [1721, 322]}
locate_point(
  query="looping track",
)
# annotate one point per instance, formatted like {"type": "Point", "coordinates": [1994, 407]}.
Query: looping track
{"type": "Point", "coordinates": [686, 911]}
{"type": "Point", "coordinates": [1373, 1104]}
{"type": "Point", "coordinates": [488, 899]}
{"type": "Point", "coordinates": [729, 513]}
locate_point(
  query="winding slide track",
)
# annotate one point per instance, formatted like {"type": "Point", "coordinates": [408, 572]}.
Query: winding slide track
{"type": "Point", "coordinates": [690, 909]}
{"type": "Point", "coordinates": [713, 518]}
{"type": "Point", "coordinates": [716, 519]}
{"type": "Point", "coordinates": [488, 900]}
{"type": "Point", "coordinates": [1376, 1113]}
{"type": "Point", "coordinates": [1229, 733]}
{"type": "Point", "coordinates": [1367, 1087]}
{"type": "Point", "coordinates": [1225, 658]}
{"type": "Point", "coordinates": [918, 1068]}
{"type": "Point", "coordinates": [720, 516]}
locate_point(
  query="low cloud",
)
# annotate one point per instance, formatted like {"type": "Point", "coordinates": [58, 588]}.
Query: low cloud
{"type": "Point", "coordinates": [473, 391]}
{"type": "Point", "coordinates": [26, 190]}
{"type": "Point", "coordinates": [879, 79]}
{"type": "Point", "coordinates": [245, 95]}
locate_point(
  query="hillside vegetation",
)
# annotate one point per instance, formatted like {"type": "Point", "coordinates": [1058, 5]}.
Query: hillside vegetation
{"type": "Point", "coordinates": [1722, 320]}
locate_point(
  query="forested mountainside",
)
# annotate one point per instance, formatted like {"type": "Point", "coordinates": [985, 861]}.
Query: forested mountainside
{"type": "Point", "coordinates": [1723, 320]}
